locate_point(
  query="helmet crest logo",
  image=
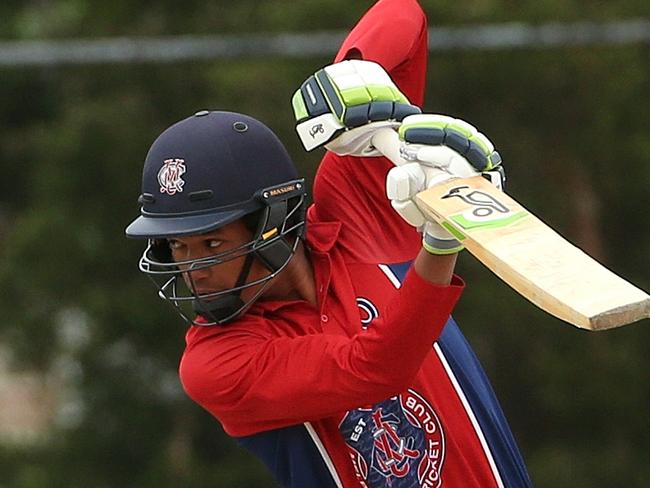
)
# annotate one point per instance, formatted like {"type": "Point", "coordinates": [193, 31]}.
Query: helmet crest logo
{"type": "Point", "coordinates": [170, 174]}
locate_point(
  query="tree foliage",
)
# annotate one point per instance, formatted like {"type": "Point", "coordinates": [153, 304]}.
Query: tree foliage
{"type": "Point", "coordinates": [570, 123]}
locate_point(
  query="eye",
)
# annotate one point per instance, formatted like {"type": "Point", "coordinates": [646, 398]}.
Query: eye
{"type": "Point", "coordinates": [213, 243]}
{"type": "Point", "coordinates": [174, 244]}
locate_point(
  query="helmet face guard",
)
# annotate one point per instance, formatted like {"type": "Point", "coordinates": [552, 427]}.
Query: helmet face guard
{"type": "Point", "coordinates": [205, 172]}
{"type": "Point", "coordinates": [282, 216]}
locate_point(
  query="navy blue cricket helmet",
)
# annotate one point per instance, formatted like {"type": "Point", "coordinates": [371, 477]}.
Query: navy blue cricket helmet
{"type": "Point", "coordinates": [202, 173]}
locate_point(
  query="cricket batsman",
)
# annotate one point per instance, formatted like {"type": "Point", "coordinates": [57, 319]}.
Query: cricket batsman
{"type": "Point", "coordinates": [321, 338]}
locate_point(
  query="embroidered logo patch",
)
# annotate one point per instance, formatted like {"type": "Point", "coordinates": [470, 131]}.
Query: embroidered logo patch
{"type": "Point", "coordinates": [169, 176]}
{"type": "Point", "coordinates": [397, 442]}
{"type": "Point", "coordinates": [368, 311]}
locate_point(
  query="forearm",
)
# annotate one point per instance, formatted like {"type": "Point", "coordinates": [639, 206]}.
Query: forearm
{"type": "Point", "coordinates": [437, 269]}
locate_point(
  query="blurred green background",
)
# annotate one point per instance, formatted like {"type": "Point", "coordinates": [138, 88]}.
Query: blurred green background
{"type": "Point", "coordinates": [89, 354]}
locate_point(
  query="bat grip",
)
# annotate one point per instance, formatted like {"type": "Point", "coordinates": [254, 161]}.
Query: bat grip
{"type": "Point", "coordinates": [386, 141]}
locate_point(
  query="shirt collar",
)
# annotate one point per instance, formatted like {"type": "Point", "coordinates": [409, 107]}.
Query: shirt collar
{"type": "Point", "coordinates": [321, 236]}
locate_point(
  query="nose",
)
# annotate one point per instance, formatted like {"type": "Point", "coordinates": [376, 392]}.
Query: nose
{"type": "Point", "coordinates": [199, 274]}
{"type": "Point", "coordinates": [198, 271]}
{"type": "Point", "coordinates": [196, 279]}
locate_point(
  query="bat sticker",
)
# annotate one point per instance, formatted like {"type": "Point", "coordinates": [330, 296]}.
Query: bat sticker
{"type": "Point", "coordinates": [486, 204]}
{"type": "Point", "coordinates": [485, 210]}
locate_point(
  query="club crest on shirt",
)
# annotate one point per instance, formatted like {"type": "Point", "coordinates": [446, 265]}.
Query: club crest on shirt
{"type": "Point", "coordinates": [368, 311]}
{"type": "Point", "coordinates": [399, 442]}
{"type": "Point", "coordinates": [169, 176]}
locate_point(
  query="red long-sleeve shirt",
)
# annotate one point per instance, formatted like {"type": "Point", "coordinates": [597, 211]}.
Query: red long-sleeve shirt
{"type": "Point", "coordinates": [356, 392]}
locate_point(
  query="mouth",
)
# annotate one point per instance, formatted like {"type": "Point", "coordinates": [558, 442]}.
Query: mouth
{"type": "Point", "coordinates": [205, 291]}
{"type": "Point", "coordinates": [201, 288]}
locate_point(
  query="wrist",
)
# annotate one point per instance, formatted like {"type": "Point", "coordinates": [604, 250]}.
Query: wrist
{"type": "Point", "coordinates": [435, 268]}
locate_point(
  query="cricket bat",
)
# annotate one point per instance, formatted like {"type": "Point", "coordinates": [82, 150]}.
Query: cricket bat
{"type": "Point", "coordinates": [524, 252]}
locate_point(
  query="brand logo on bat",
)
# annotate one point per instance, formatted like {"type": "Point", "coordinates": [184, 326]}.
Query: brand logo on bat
{"type": "Point", "coordinates": [169, 176]}
{"type": "Point", "coordinates": [397, 442]}
{"type": "Point", "coordinates": [485, 203]}
{"type": "Point", "coordinates": [316, 129]}
{"type": "Point", "coordinates": [485, 211]}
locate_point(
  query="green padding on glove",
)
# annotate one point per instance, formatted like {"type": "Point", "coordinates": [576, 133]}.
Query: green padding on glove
{"type": "Point", "coordinates": [345, 96]}
{"type": "Point", "coordinates": [457, 134]}
{"type": "Point", "coordinates": [299, 108]}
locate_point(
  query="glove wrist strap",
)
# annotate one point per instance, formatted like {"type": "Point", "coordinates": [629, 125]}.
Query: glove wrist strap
{"type": "Point", "coordinates": [441, 247]}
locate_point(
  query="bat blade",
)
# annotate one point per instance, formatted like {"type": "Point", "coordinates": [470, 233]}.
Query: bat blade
{"type": "Point", "coordinates": [532, 258]}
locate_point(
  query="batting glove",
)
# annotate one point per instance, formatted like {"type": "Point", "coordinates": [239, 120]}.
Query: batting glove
{"type": "Point", "coordinates": [342, 105]}
{"type": "Point", "coordinates": [438, 148]}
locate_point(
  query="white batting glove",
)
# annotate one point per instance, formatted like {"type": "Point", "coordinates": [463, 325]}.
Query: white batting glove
{"type": "Point", "coordinates": [439, 148]}
{"type": "Point", "coordinates": [342, 105]}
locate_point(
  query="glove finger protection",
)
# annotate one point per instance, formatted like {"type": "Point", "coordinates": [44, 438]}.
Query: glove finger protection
{"type": "Point", "coordinates": [440, 148]}
{"type": "Point", "coordinates": [460, 149]}
{"type": "Point", "coordinates": [402, 184]}
{"type": "Point", "coordinates": [342, 105]}
{"type": "Point", "coordinates": [447, 142]}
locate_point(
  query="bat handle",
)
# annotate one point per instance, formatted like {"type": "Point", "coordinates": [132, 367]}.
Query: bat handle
{"type": "Point", "coordinates": [386, 141]}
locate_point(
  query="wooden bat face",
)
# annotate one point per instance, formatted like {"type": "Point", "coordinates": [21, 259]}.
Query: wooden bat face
{"type": "Point", "coordinates": [531, 257]}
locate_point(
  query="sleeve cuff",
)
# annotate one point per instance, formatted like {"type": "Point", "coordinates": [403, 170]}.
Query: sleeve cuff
{"type": "Point", "coordinates": [434, 300]}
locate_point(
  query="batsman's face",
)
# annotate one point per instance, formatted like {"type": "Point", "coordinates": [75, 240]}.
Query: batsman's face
{"type": "Point", "coordinates": [222, 276]}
